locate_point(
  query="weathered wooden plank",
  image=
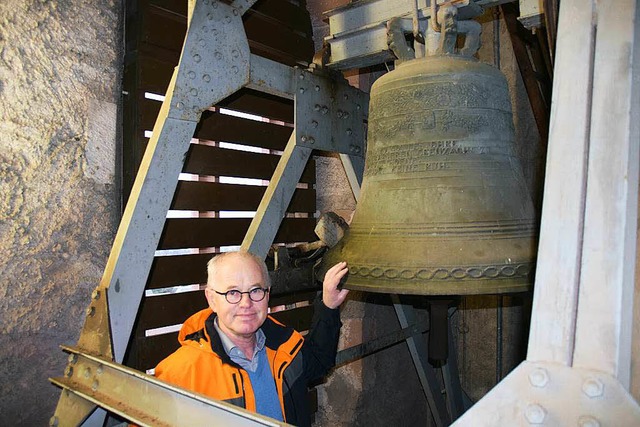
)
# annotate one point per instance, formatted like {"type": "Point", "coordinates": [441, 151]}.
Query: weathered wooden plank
{"type": "Point", "coordinates": [292, 298]}
{"type": "Point", "coordinates": [287, 39]}
{"type": "Point", "coordinates": [261, 104]}
{"type": "Point", "coordinates": [283, 42]}
{"type": "Point", "coordinates": [208, 160]}
{"type": "Point", "coordinates": [189, 269]}
{"type": "Point", "coordinates": [166, 310]}
{"type": "Point", "coordinates": [213, 196]}
{"type": "Point", "coordinates": [176, 270]}
{"type": "Point", "coordinates": [294, 16]}
{"type": "Point", "coordinates": [287, 13]}
{"type": "Point", "coordinates": [151, 350]}
{"type": "Point", "coordinates": [163, 28]}
{"type": "Point", "coordinates": [211, 232]}
{"type": "Point", "coordinates": [155, 74]}
{"type": "Point", "coordinates": [174, 6]}
{"type": "Point", "coordinates": [223, 127]}
{"type": "Point", "coordinates": [214, 126]}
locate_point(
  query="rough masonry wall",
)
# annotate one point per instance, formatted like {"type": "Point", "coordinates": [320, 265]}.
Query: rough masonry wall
{"type": "Point", "coordinates": [60, 73]}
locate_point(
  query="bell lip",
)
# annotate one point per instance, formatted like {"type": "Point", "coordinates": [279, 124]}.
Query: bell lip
{"type": "Point", "coordinates": [445, 288]}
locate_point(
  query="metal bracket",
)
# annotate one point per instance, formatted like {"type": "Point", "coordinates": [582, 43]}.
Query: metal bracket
{"type": "Point", "coordinates": [358, 31]}
{"type": "Point", "coordinates": [555, 395]}
{"type": "Point", "coordinates": [329, 113]}
{"type": "Point", "coordinates": [141, 398]}
{"type": "Point", "coordinates": [205, 77]}
{"type": "Point", "coordinates": [96, 333]}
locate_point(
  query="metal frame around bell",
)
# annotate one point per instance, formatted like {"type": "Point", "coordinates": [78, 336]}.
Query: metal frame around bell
{"type": "Point", "coordinates": [215, 62]}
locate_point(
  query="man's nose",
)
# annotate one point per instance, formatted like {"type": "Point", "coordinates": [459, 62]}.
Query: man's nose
{"type": "Point", "coordinates": [245, 301]}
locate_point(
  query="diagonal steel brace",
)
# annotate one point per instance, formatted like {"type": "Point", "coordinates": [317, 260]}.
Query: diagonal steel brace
{"type": "Point", "coordinates": [215, 63]}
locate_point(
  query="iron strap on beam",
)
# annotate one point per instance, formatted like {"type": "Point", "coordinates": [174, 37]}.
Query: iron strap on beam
{"type": "Point", "coordinates": [419, 351]}
{"type": "Point", "coordinates": [145, 400]}
{"type": "Point", "coordinates": [366, 348]}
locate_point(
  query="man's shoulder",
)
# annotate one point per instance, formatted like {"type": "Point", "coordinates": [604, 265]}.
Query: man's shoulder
{"type": "Point", "coordinates": [184, 360]}
{"type": "Point", "coordinates": [187, 353]}
{"type": "Point", "coordinates": [277, 333]}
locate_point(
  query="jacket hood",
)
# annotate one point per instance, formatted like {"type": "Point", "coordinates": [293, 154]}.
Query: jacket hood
{"type": "Point", "coordinates": [194, 324]}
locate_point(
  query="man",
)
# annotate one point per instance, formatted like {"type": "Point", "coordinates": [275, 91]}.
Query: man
{"type": "Point", "coordinates": [233, 351]}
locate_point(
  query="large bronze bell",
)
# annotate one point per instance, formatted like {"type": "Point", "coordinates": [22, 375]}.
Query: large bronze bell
{"type": "Point", "coordinates": [444, 208]}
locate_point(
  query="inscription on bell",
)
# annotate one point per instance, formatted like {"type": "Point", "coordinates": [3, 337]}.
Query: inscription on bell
{"type": "Point", "coordinates": [426, 124]}
{"type": "Point", "coordinates": [437, 94]}
{"type": "Point", "coordinates": [417, 157]}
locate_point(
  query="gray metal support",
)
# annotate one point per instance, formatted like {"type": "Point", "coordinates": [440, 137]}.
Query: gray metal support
{"type": "Point", "coordinates": [199, 81]}
{"type": "Point", "coordinates": [426, 373]}
{"type": "Point", "coordinates": [276, 199]}
{"type": "Point", "coordinates": [271, 77]}
{"type": "Point", "coordinates": [329, 115]}
{"type": "Point", "coordinates": [142, 399]}
{"type": "Point", "coordinates": [354, 168]}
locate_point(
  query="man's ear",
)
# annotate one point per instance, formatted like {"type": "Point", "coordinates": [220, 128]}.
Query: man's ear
{"type": "Point", "coordinates": [208, 293]}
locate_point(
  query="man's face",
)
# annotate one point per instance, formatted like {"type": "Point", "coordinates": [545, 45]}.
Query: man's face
{"type": "Point", "coordinates": [243, 319]}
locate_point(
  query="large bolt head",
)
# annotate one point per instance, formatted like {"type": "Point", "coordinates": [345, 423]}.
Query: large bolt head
{"type": "Point", "coordinates": [593, 387]}
{"type": "Point", "coordinates": [539, 377]}
{"type": "Point", "coordinates": [535, 414]}
{"type": "Point", "coordinates": [588, 421]}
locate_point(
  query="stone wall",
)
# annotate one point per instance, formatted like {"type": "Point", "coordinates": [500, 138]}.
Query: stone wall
{"type": "Point", "coordinates": [60, 74]}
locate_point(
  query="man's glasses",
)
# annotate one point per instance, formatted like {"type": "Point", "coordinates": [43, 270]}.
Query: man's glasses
{"type": "Point", "coordinates": [234, 296]}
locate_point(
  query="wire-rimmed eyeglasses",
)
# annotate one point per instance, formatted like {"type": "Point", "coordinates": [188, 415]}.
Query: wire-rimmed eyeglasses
{"type": "Point", "coordinates": [234, 296]}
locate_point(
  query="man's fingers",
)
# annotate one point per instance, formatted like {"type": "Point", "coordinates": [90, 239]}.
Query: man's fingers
{"type": "Point", "coordinates": [336, 273]}
{"type": "Point", "coordinates": [336, 268]}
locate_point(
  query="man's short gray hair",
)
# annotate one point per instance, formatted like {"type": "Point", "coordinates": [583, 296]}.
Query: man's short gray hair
{"type": "Point", "coordinates": [216, 261]}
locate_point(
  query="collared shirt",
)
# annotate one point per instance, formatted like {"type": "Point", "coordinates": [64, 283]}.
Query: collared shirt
{"type": "Point", "coordinates": [236, 354]}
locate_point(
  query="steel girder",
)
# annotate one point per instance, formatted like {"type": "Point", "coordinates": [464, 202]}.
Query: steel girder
{"type": "Point", "coordinates": [215, 63]}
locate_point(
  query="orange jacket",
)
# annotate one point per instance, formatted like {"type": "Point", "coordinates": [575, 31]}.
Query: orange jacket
{"type": "Point", "coordinates": [201, 359]}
